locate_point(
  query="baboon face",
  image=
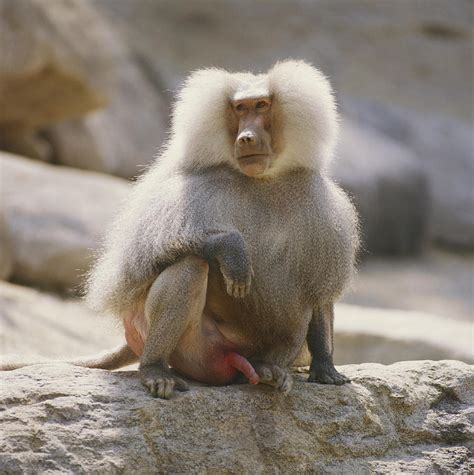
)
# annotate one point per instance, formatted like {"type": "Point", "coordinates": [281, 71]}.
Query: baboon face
{"type": "Point", "coordinates": [250, 127]}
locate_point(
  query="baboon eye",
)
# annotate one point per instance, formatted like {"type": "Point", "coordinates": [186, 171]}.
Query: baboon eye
{"type": "Point", "coordinates": [261, 104]}
{"type": "Point", "coordinates": [239, 107]}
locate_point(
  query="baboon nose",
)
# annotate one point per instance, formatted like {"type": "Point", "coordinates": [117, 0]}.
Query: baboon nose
{"type": "Point", "coordinates": [246, 138]}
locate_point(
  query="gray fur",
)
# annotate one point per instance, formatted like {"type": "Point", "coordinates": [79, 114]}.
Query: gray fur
{"type": "Point", "coordinates": [300, 230]}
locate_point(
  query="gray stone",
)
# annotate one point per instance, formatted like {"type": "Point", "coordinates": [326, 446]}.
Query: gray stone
{"type": "Point", "coordinates": [416, 55]}
{"type": "Point", "coordinates": [54, 63]}
{"type": "Point", "coordinates": [65, 61]}
{"type": "Point", "coordinates": [364, 334]}
{"type": "Point", "coordinates": [388, 188]}
{"type": "Point", "coordinates": [123, 137]}
{"type": "Point", "coordinates": [36, 323]}
{"type": "Point", "coordinates": [436, 282]}
{"type": "Point", "coordinates": [56, 217]}
{"type": "Point", "coordinates": [6, 258]}
{"type": "Point", "coordinates": [443, 148]}
{"type": "Point", "coordinates": [412, 417]}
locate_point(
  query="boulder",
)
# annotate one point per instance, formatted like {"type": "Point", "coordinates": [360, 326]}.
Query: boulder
{"type": "Point", "coordinates": [124, 136]}
{"type": "Point", "coordinates": [66, 61]}
{"type": "Point", "coordinates": [444, 151]}
{"type": "Point", "coordinates": [388, 188]}
{"type": "Point", "coordinates": [25, 141]}
{"type": "Point", "coordinates": [411, 417]}
{"type": "Point", "coordinates": [6, 258]}
{"type": "Point", "coordinates": [36, 323]}
{"type": "Point", "coordinates": [438, 282]}
{"type": "Point", "coordinates": [57, 63]}
{"type": "Point", "coordinates": [55, 217]}
{"type": "Point", "coordinates": [364, 334]}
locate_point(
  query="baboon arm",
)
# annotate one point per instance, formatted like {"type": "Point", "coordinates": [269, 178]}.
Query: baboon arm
{"type": "Point", "coordinates": [320, 344]}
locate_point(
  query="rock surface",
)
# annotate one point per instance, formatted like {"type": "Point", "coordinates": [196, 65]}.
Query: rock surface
{"type": "Point", "coordinates": [64, 61]}
{"type": "Point", "coordinates": [388, 335]}
{"type": "Point", "coordinates": [37, 323]}
{"type": "Point", "coordinates": [388, 187]}
{"type": "Point", "coordinates": [443, 150]}
{"type": "Point", "coordinates": [55, 217]}
{"type": "Point", "coordinates": [49, 55]}
{"type": "Point", "coordinates": [412, 417]}
{"type": "Point", "coordinates": [124, 136]}
{"type": "Point", "coordinates": [387, 51]}
{"type": "Point", "coordinates": [437, 282]}
{"type": "Point", "coordinates": [6, 258]}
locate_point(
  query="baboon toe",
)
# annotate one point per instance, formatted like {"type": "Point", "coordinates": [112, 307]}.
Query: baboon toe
{"type": "Point", "coordinates": [160, 383]}
{"type": "Point", "coordinates": [275, 376]}
{"type": "Point", "coordinates": [327, 375]}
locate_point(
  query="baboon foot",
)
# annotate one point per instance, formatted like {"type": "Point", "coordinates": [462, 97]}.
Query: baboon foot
{"type": "Point", "coordinates": [161, 382]}
{"type": "Point", "coordinates": [275, 376]}
{"type": "Point", "coordinates": [327, 374]}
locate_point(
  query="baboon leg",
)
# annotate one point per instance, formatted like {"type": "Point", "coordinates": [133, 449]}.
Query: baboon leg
{"type": "Point", "coordinates": [320, 344]}
{"type": "Point", "coordinates": [176, 298]}
{"type": "Point", "coordinates": [229, 249]}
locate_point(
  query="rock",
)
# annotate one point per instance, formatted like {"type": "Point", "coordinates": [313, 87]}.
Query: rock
{"type": "Point", "coordinates": [444, 151]}
{"type": "Point", "coordinates": [56, 217]}
{"type": "Point", "coordinates": [6, 259]}
{"type": "Point", "coordinates": [411, 417]}
{"type": "Point", "coordinates": [437, 282]}
{"type": "Point", "coordinates": [55, 72]}
{"type": "Point", "coordinates": [388, 188]}
{"type": "Point", "coordinates": [387, 51]}
{"type": "Point", "coordinates": [122, 138]}
{"type": "Point", "coordinates": [36, 323]}
{"type": "Point", "coordinates": [52, 69]}
{"type": "Point", "coordinates": [364, 334]}
{"type": "Point", "coordinates": [25, 141]}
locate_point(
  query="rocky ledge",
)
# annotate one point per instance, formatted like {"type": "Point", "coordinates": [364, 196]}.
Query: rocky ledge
{"type": "Point", "coordinates": [409, 417]}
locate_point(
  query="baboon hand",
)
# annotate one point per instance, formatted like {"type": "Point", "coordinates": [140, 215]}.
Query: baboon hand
{"type": "Point", "coordinates": [275, 376]}
{"type": "Point", "coordinates": [230, 251]}
{"type": "Point", "coordinates": [238, 285]}
{"type": "Point", "coordinates": [327, 374]}
{"type": "Point", "coordinates": [161, 382]}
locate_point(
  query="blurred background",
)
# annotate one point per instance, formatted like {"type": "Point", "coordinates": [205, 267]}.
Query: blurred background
{"type": "Point", "coordinates": [85, 94]}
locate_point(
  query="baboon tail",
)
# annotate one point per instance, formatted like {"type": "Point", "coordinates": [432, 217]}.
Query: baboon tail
{"type": "Point", "coordinates": [110, 359]}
